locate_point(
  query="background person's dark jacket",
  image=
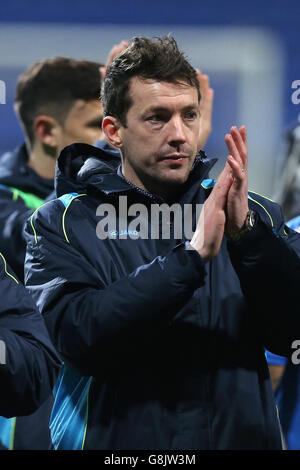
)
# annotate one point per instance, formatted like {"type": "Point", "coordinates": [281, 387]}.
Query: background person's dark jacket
{"type": "Point", "coordinates": [22, 191]}
{"type": "Point", "coordinates": [160, 350]}
{"type": "Point", "coordinates": [30, 365]}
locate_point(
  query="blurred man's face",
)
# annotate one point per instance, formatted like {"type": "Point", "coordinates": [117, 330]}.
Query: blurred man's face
{"type": "Point", "coordinates": [83, 124]}
{"type": "Point", "coordinates": [160, 140]}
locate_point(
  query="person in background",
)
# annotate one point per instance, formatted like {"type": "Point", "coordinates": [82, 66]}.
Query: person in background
{"type": "Point", "coordinates": [285, 377]}
{"type": "Point", "coordinates": [57, 102]}
{"type": "Point", "coordinates": [29, 364]}
{"type": "Point", "coordinates": [287, 192]}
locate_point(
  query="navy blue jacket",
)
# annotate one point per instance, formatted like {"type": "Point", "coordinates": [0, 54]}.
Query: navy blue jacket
{"type": "Point", "coordinates": [29, 364]}
{"type": "Point", "coordinates": [161, 351]}
{"type": "Point", "coordinates": [22, 191]}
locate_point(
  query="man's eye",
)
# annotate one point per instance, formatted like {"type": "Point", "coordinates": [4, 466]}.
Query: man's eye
{"type": "Point", "coordinates": [155, 118]}
{"type": "Point", "coordinates": [191, 115]}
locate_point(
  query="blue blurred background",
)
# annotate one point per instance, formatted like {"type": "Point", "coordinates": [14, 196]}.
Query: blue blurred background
{"type": "Point", "coordinates": [250, 49]}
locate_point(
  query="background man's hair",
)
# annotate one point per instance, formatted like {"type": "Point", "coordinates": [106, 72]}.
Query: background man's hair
{"type": "Point", "coordinates": [159, 59]}
{"type": "Point", "coordinates": [51, 87]}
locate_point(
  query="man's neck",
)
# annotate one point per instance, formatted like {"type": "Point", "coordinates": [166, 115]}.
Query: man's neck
{"type": "Point", "coordinates": [168, 193]}
{"type": "Point", "coordinates": [42, 163]}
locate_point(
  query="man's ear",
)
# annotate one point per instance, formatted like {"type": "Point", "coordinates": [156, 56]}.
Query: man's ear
{"type": "Point", "coordinates": [46, 129]}
{"type": "Point", "coordinates": [111, 128]}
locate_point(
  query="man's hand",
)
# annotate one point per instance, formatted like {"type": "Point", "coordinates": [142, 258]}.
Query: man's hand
{"type": "Point", "coordinates": [205, 108]}
{"type": "Point", "coordinates": [116, 50]}
{"type": "Point", "coordinates": [208, 235]}
{"type": "Point", "coordinates": [237, 200]}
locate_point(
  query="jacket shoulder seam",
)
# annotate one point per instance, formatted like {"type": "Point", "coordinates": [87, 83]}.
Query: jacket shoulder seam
{"type": "Point", "coordinates": [67, 204]}
{"type": "Point", "coordinates": [33, 215]}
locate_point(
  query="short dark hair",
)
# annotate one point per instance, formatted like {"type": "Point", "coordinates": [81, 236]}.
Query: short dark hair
{"type": "Point", "coordinates": [52, 85]}
{"type": "Point", "coordinates": [159, 59]}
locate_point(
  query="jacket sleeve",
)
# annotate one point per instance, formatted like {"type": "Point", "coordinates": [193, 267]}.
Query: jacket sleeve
{"type": "Point", "coordinates": [94, 325]}
{"type": "Point", "coordinates": [28, 361]}
{"type": "Point", "coordinates": [268, 267]}
{"type": "Point", "coordinates": [13, 216]}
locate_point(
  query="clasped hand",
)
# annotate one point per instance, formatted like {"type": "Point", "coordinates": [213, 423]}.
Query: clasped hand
{"type": "Point", "coordinates": [226, 208]}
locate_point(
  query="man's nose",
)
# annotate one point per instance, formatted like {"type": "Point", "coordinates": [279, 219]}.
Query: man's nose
{"type": "Point", "coordinates": [176, 134]}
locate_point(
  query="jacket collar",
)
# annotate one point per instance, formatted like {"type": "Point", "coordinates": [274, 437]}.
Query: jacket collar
{"type": "Point", "coordinates": [15, 172]}
{"type": "Point", "coordinates": [115, 182]}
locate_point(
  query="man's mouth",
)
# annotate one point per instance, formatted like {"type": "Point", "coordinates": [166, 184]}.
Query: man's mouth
{"type": "Point", "coordinates": [174, 157]}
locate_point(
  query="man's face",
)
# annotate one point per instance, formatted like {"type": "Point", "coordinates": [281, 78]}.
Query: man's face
{"type": "Point", "coordinates": [83, 124]}
{"type": "Point", "coordinates": [159, 144]}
